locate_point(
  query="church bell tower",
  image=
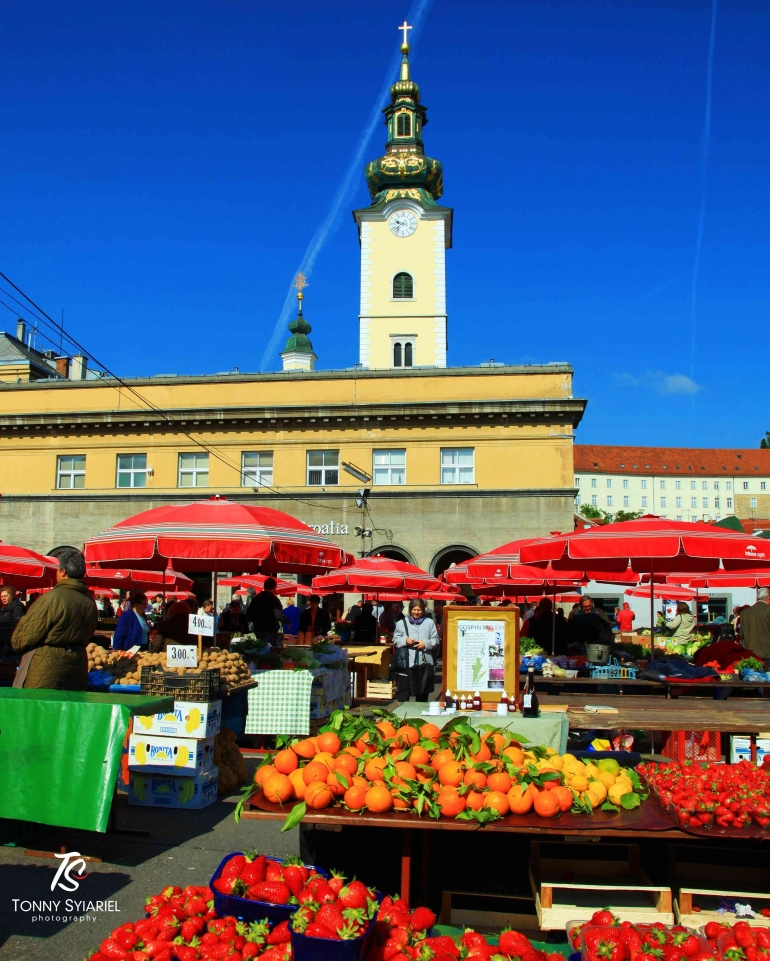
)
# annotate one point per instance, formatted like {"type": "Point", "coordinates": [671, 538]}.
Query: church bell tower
{"type": "Point", "coordinates": [404, 235]}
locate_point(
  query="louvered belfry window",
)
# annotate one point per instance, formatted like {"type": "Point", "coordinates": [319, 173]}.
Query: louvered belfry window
{"type": "Point", "coordinates": [403, 286]}
{"type": "Point", "coordinates": [404, 125]}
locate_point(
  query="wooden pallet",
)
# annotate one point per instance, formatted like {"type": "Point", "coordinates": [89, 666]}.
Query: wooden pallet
{"type": "Point", "coordinates": [487, 912]}
{"type": "Point", "coordinates": [380, 690]}
{"type": "Point", "coordinates": [701, 880]}
{"type": "Point", "coordinates": [566, 890]}
{"type": "Point", "coordinates": [706, 900]}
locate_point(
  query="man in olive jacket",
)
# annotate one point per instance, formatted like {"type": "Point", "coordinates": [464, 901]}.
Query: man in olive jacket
{"type": "Point", "coordinates": [52, 637]}
{"type": "Point", "coordinates": [755, 626]}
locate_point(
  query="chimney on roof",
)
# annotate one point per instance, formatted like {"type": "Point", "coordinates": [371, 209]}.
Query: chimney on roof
{"type": "Point", "coordinates": [63, 366]}
{"type": "Point", "coordinates": [79, 367]}
{"type": "Point", "coordinates": [21, 331]}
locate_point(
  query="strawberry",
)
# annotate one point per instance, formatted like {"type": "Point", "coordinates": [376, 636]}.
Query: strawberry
{"type": "Point", "coordinates": [306, 896]}
{"type": "Point", "coordinates": [315, 930]}
{"type": "Point", "coordinates": [442, 944]}
{"type": "Point", "coordinates": [111, 949]}
{"type": "Point", "coordinates": [762, 936]}
{"type": "Point", "coordinates": [191, 927]}
{"type": "Point", "coordinates": [197, 905]}
{"type": "Point", "coordinates": [513, 943]}
{"type": "Point", "coordinates": [250, 950]}
{"type": "Point", "coordinates": [233, 868]}
{"type": "Point", "coordinates": [186, 952]}
{"type": "Point", "coordinates": [273, 871]}
{"type": "Point", "coordinates": [423, 919]}
{"type": "Point", "coordinates": [275, 892]}
{"type": "Point", "coordinates": [396, 943]}
{"type": "Point", "coordinates": [281, 952]}
{"type": "Point", "coordinates": [254, 871]}
{"type": "Point", "coordinates": [280, 934]}
{"type": "Point", "coordinates": [336, 881]}
{"type": "Point", "coordinates": [331, 917]}
{"type": "Point", "coordinates": [472, 939]}
{"type": "Point", "coordinates": [292, 877]}
{"type": "Point", "coordinates": [147, 929]}
{"type": "Point", "coordinates": [743, 934]}
{"type": "Point", "coordinates": [603, 918]}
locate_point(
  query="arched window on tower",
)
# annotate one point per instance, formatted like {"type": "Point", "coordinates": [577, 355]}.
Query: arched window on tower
{"type": "Point", "coordinates": [404, 125]}
{"type": "Point", "coordinates": [403, 286]}
{"type": "Point", "coordinates": [397, 354]}
{"type": "Point", "coordinates": [407, 354]}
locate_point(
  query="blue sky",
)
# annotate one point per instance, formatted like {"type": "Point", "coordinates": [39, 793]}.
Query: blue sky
{"type": "Point", "coordinates": [165, 167]}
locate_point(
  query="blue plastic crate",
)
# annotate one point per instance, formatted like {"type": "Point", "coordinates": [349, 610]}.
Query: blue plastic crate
{"type": "Point", "coordinates": [304, 948]}
{"type": "Point", "coordinates": [613, 669]}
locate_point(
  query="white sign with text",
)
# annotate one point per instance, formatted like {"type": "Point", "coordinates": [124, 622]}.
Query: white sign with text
{"type": "Point", "coordinates": [201, 624]}
{"type": "Point", "coordinates": [182, 655]}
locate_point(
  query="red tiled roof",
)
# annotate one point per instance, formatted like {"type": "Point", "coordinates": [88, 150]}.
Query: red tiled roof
{"type": "Point", "coordinates": [755, 524]}
{"type": "Point", "coordinates": [671, 460]}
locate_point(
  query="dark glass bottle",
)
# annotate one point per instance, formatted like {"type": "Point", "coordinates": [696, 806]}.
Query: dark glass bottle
{"type": "Point", "coordinates": [529, 703]}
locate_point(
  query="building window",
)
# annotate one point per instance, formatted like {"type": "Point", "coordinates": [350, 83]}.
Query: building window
{"type": "Point", "coordinates": [745, 485]}
{"type": "Point", "coordinates": [678, 502]}
{"type": "Point", "coordinates": [662, 485]}
{"type": "Point", "coordinates": [693, 485]}
{"type": "Point", "coordinates": [705, 502]}
{"type": "Point", "coordinates": [389, 467]}
{"type": "Point", "coordinates": [403, 353]}
{"type": "Point", "coordinates": [257, 468]}
{"type": "Point", "coordinates": [625, 483]}
{"type": "Point", "coordinates": [677, 485]}
{"type": "Point", "coordinates": [71, 472]}
{"type": "Point", "coordinates": [593, 482]}
{"type": "Point", "coordinates": [323, 468]}
{"type": "Point", "coordinates": [753, 503]}
{"type": "Point", "coordinates": [457, 466]}
{"type": "Point", "coordinates": [132, 470]}
{"type": "Point", "coordinates": [577, 501]}
{"type": "Point", "coordinates": [644, 485]}
{"type": "Point", "coordinates": [663, 502]}
{"type": "Point", "coordinates": [404, 125]}
{"type": "Point", "coordinates": [716, 485]}
{"type": "Point", "coordinates": [716, 502]}
{"type": "Point", "coordinates": [403, 286]}
{"type": "Point", "coordinates": [593, 500]}
{"type": "Point", "coordinates": [705, 485]}
{"type": "Point", "coordinates": [693, 502]}
{"type": "Point", "coordinates": [193, 470]}
{"type": "Point", "coordinates": [625, 501]}
{"type": "Point", "coordinates": [763, 485]}
{"type": "Point", "coordinates": [678, 517]}
{"type": "Point", "coordinates": [730, 502]}
{"type": "Point", "coordinates": [644, 502]}
{"type": "Point", "coordinates": [577, 482]}
{"type": "Point", "coordinates": [729, 485]}
{"type": "Point", "coordinates": [609, 500]}
{"type": "Point", "coordinates": [609, 482]}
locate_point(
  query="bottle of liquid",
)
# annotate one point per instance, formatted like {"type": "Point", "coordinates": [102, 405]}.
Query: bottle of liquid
{"type": "Point", "coordinates": [504, 698]}
{"type": "Point", "coordinates": [476, 701]}
{"type": "Point", "coordinates": [449, 703]}
{"type": "Point", "coordinates": [463, 705]}
{"type": "Point", "coordinates": [502, 707]}
{"type": "Point", "coordinates": [529, 703]}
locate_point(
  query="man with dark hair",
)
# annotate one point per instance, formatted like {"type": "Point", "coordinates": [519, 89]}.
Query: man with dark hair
{"type": "Point", "coordinates": [52, 635]}
{"type": "Point", "coordinates": [754, 625]}
{"type": "Point", "coordinates": [264, 612]}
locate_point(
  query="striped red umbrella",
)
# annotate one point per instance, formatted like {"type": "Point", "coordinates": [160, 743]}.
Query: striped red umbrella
{"type": "Point", "coordinates": [216, 534]}
{"type": "Point", "coordinates": [157, 581]}
{"type": "Point", "coordinates": [372, 575]}
{"type": "Point", "coordinates": [257, 581]}
{"type": "Point", "coordinates": [23, 568]}
{"type": "Point", "coordinates": [667, 592]}
{"type": "Point", "coordinates": [754, 579]}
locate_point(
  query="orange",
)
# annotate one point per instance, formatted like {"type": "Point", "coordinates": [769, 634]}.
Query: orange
{"type": "Point", "coordinates": [497, 801]}
{"type": "Point", "coordinates": [483, 753]}
{"type": "Point", "coordinates": [451, 804]}
{"type": "Point", "coordinates": [520, 799]}
{"type": "Point", "coordinates": [298, 783]}
{"type": "Point", "coordinates": [547, 804]}
{"type": "Point", "coordinates": [418, 755]}
{"type": "Point", "coordinates": [399, 803]}
{"type": "Point", "coordinates": [263, 773]}
{"type": "Point", "coordinates": [407, 735]}
{"type": "Point", "coordinates": [451, 774]}
{"type": "Point", "coordinates": [405, 770]}
{"type": "Point", "coordinates": [286, 761]}
{"type": "Point", "coordinates": [386, 729]}
{"type": "Point", "coordinates": [318, 795]}
{"type": "Point", "coordinates": [305, 748]}
{"type": "Point", "coordinates": [441, 757]}
{"type": "Point", "coordinates": [564, 796]}
{"type": "Point", "coordinates": [373, 769]}
{"type": "Point", "coordinates": [474, 800]}
{"type": "Point", "coordinates": [499, 782]}
{"type": "Point", "coordinates": [475, 778]}
{"type": "Point", "coordinates": [365, 744]}
{"type": "Point", "coordinates": [498, 742]}
{"type": "Point", "coordinates": [379, 799]}
{"type": "Point", "coordinates": [328, 742]}
{"type": "Point", "coordinates": [351, 749]}
{"type": "Point", "coordinates": [277, 788]}
{"type": "Point", "coordinates": [551, 785]}
{"type": "Point", "coordinates": [336, 787]}
{"type": "Point", "coordinates": [514, 754]}
{"type": "Point", "coordinates": [346, 763]}
{"type": "Point", "coordinates": [357, 781]}
{"type": "Point", "coordinates": [314, 772]}
{"type": "Point", "coordinates": [355, 798]}
{"type": "Point", "coordinates": [429, 731]}
{"type": "Point", "coordinates": [323, 757]}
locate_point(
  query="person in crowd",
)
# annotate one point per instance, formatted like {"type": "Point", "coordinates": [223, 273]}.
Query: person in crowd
{"type": "Point", "coordinates": [387, 621]}
{"type": "Point", "coordinates": [734, 616]}
{"type": "Point", "coordinates": [354, 611]}
{"type": "Point", "coordinates": [660, 621]}
{"type": "Point", "coordinates": [574, 611]}
{"type": "Point", "coordinates": [561, 618]}
{"type": "Point", "coordinates": [107, 609]}
{"type": "Point", "coordinates": [615, 625]}
{"type": "Point", "coordinates": [365, 626]}
{"type": "Point", "coordinates": [208, 607]}
{"type": "Point", "coordinates": [265, 612]}
{"type": "Point", "coordinates": [132, 630]}
{"type": "Point", "coordinates": [417, 634]}
{"type": "Point", "coordinates": [588, 626]}
{"type": "Point", "coordinates": [293, 613]}
{"type": "Point", "coordinates": [755, 626]}
{"type": "Point", "coordinates": [541, 628]}
{"type": "Point", "coordinates": [11, 612]}
{"type": "Point", "coordinates": [680, 627]}
{"type": "Point", "coordinates": [232, 620]}
{"type": "Point", "coordinates": [52, 637]}
{"type": "Point", "coordinates": [314, 621]}
{"type": "Point", "coordinates": [625, 617]}
{"type": "Point", "coordinates": [175, 626]}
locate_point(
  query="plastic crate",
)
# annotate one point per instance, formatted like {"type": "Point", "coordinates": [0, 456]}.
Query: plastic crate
{"type": "Point", "coordinates": [692, 745]}
{"type": "Point", "coordinates": [304, 948]}
{"type": "Point", "coordinates": [613, 669]}
{"type": "Point", "coordinates": [182, 687]}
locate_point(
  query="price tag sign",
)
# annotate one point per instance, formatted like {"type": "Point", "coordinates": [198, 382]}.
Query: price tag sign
{"type": "Point", "coordinates": [181, 655]}
{"type": "Point", "coordinates": [201, 624]}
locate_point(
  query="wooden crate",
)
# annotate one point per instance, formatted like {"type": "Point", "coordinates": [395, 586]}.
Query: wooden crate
{"type": "Point", "coordinates": [702, 875]}
{"type": "Point", "coordinates": [487, 912]}
{"type": "Point", "coordinates": [569, 890]}
{"type": "Point", "coordinates": [707, 901]}
{"type": "Point", "coordinates": [381, 690]}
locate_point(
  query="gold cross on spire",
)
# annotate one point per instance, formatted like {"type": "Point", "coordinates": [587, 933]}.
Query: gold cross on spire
{"type": "Point", "coordinates": [300, 282]}
{"type": "Point", "coordinates": [404, 26]}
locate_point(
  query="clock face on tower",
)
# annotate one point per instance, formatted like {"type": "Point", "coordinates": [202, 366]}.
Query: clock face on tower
{"type": "Point", "coordinates": [403, 223]}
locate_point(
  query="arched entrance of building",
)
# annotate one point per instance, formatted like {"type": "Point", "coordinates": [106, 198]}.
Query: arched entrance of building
{"type": "Point", "coordinates": [58, 551]}
{"type": "Point", "coordinates": [392, 551]}
{"type": "Point", "coordinates": [447, 556]}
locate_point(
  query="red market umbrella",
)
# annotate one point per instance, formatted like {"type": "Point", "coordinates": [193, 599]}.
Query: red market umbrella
{"type": "Point", "coordinates": [666, 592]}
{"type": "Point", "coordinates": [378, 575]}
{"type": "Point", "coordinates": [25, 569]}
{"type": "Point", "coordinates": [257, 581]}
{"type": "Point", "coordinates": [755, 579]}
{"type": "Point", "coordinates": [213, 535]}
{"type": "Point", "coordinates": [147, 581]}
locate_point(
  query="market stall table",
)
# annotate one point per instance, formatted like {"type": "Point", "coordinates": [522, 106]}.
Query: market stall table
{"type": "Point", "coordinates": [61, 751]}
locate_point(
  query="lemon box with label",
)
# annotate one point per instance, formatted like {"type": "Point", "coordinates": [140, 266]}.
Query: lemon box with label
{"type": "Point", "coordinates": [152, 790]}
{"type": "Point", "coordinates": [196, 719]}
{"type": "Point", "coordinates": [155, 754]}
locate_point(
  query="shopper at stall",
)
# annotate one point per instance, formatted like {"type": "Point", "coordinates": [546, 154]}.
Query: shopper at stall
{"type": "Point", "coordinates": [414, 640]}
{"type": "Point", "coordinates": [208, 607]}
{"type": "Point", "coordinates": [588, 626]}
{"type": "Point", "coordinates": [755, 626]}
{"type": "Point", "coordinates": [11, 612]}
{"type": "Point", "coordinates": [387, 621]}
{"type": "Point", "coordinates": [265, 612]}
{"type": "Point", "coordinates": [314, 621]}
{"type": "Point", "coordinates": [232, 619]}
{"type": "Point", "coordinates": [293, 613]}
{"type": "Point", "coordinates": [365, 626]}
{"type": "Point", "coordinates": [354, 611]}
{"type": "Point", "coordinates": [132, 629]}
{"type": "Point", "coordinates": [680, 627]}
{"type": "Point", "coordinates": [52, 637]}
{"type": "Point", "coordinates": [541, 628]}
{"type": "Point", "coordinates": [625, 617]}
{"type": "Point", "coordinates": [176, 624]}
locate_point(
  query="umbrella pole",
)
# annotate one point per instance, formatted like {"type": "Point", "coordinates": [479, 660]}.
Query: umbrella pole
{"type": "Point", "coordinates": [652, 614]}
{"type": "Point", "coordinates": [553, 622]}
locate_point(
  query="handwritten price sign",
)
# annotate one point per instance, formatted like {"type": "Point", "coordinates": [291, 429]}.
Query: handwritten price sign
{"type": "Point", "coordinates": [201, 624]}
{"type": "Point", "coordinates": [182, 655]}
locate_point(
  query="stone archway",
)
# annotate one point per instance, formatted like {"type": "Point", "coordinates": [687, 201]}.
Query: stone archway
{"type": "Point", "coordinates": [58, 551]}
{"type": "Point", "coordinates": [447, 556]}
{"type": "Point", "coordinates": [392, 551]}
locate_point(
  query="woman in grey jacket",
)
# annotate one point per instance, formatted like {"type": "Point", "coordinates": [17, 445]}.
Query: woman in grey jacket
{"type": "Point", "coordinates": [414, 639]}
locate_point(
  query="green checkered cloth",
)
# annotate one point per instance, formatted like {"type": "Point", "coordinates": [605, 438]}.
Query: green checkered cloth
{"type": "Point", "coordinates": [280, 703]}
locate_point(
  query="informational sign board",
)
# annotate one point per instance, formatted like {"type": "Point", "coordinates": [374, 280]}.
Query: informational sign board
{"type": "Point", "coordinates": [201, 624]}
{"type": "Point", "coordinates": [481, 650]}
{"type": "Point", "coordinates": [182, 655]}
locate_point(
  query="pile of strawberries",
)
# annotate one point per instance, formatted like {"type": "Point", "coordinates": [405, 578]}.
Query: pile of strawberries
{"type": "Point", "coordinates": [605, 938]}
{"type": "Point", "coordinates": [401, 935]}
{"type": "Point", "coordinates": [183, 926]}
{"type": "Point", "coordinates": [258, 878]}
{"type": "Point", "coordinates": [742, 942]}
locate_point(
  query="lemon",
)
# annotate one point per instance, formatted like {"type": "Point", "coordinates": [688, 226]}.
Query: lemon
{"type": "Point", "coordinates": [606, 778]}
{"type": "Point", "coordinates": [551, 751]}
{"type": "Point", "coordinates": [556, 762]}
{"type": "Point", "coordinates": [599, 789]}
{"type": "Point", "coordinates": [609, 764]}
{"type": "Point", "coordinates": [617, 791]}
{"type": "Point", "coordinates": [578, 783]}
{"type": "Point", "coordinates": [590, 798]}
{"type": "Point", "coordinates": [591, 770]}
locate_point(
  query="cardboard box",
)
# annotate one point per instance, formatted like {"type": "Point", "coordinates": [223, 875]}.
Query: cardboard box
{"type": "Point", "coordinates": [196, 719]}
{"type": "Point", "coordinates": [150, 790]}
{"type": "Point", "coordinates": [740, 749]}
{"type": "Point", "coordinates": [151, 754]}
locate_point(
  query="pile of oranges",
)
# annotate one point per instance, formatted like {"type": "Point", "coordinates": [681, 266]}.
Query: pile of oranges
{"type": "Point", "coordinates": [456, 772]}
